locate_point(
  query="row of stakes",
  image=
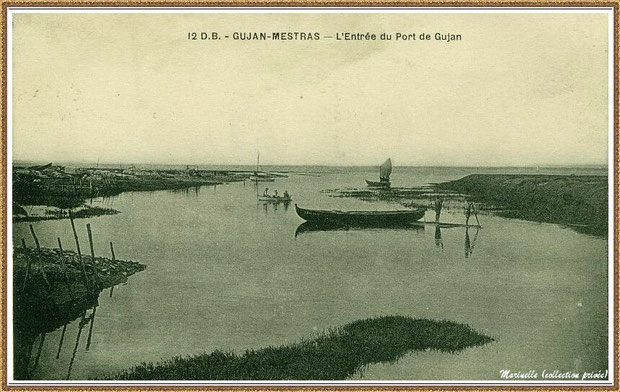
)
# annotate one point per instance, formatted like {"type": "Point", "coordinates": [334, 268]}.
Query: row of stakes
{"type": "Point", "coordinates": [97, 280]}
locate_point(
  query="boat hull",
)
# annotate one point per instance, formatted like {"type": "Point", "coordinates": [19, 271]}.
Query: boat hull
{"type": "Point", "coordinates": [360, 218]}
{"type": "Point", "coordinates": [378, 184]}
{"type": "Point", "coordinates": [271, 199]}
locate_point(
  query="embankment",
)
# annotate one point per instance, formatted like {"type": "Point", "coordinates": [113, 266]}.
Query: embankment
{"type": "Point", "coordinates": [576, 201]}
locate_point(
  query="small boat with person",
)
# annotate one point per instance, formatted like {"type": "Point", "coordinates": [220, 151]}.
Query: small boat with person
{"type": "Point", "coordinates": [396, 217]}
{"type": "Point", "coordinates": [275, 198]}
{"type": "Point", "coordinates": [385, 170]}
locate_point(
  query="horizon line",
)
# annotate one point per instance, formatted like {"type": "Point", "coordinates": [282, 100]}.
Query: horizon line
{"type": "Point", "coordinates": [91, 164]}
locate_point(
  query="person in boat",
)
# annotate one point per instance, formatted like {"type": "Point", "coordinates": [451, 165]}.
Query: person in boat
{"type": "Point", "coordinates": [266, 193]}
{"type": "Point", "coordinates": [286, 195]}
{"type": "Point", "coordinates": [438, 205]}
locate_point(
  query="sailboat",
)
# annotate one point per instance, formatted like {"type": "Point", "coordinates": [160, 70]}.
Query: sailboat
{"type": "Point", "coordinates": [259, 176]}
{"type": "Point", "coordinates": [384, 175]}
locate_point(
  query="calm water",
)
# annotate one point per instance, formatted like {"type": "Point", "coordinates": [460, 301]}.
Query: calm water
{"type": "Point", "coordinates": [227, 273]}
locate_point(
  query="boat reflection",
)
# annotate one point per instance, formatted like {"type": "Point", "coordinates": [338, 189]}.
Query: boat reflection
{"type": "Point", "coordinates": [309, 227]}
{"type": "Point", "coordinates": [274, 206]}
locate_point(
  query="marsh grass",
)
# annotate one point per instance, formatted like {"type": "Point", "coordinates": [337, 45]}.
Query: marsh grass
{"type": "Point", "coordinates": [336, 354]}
{"type": "Point", "coordinates": [576, 201]}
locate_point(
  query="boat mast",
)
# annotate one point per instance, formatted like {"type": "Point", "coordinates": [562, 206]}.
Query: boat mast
{"type": "Point", "coordinates": [257, 160]}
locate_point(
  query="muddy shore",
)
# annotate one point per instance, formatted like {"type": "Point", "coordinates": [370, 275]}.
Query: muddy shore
{"type": "Point", "coordinates": [579, 202]}
{"type": "Point", "coordinates": [58, 186]}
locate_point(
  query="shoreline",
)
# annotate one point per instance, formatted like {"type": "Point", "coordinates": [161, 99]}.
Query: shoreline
{"type": "Point", "coordinates": [57, 186]}
{"type": "Point", "coordinates": [578, 202]}
{"type": "Point", "coordinates": [575, 201]}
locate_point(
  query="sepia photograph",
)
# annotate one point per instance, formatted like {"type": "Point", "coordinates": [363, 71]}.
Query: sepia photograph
{"type": "Point", "coordinates": [325, 196]}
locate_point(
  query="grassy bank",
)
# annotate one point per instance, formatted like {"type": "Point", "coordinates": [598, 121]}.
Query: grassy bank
{"type": "Point", "coordinates": [54, 185]}
{"type": "Point", "coordinates": [576, 201]}
{"type": "Point", "coordinates": [334, 355]}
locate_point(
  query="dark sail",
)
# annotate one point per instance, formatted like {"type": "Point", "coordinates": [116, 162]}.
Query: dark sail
{"type": "Point", "coordinates": [385, 170]}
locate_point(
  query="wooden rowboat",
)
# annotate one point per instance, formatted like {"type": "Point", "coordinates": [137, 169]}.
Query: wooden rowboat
{"type": "Point", "coordinates": [274, 199]}
{"type": "Point", "coordinates": [360, 217]}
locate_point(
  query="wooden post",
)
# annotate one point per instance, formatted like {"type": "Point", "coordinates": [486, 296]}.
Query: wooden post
{"type": "Point", "coordinates": [79, 252]}
{"type": "Point", "coordinates": [112, 250]}
{"type": "Point", "coordinates": [62, 256]}
{"type": "Point", "coordinates": [92, 252]}
{"type": "Point", "coordinates": [64, 267]}
{"type": "Point", "coordinates": [28, 262]}
{"type": "Point", "coordinates": [41, 263]}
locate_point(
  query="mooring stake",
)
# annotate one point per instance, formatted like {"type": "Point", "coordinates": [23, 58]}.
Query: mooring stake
{"type": "Point", "coordinates": [27, 264]}
{"type": "Point", "coordinates": [79, 252]}
{"type": "Point", "coordinates": [41, 262]}
{"type": "Point", "coordinates": [64, 268]}
{"type": "Point", "coordinates": [92, 253]}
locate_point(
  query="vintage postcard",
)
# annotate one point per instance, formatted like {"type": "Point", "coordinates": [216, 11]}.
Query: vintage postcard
{"type": "Point", "coordinates": [372, 196]}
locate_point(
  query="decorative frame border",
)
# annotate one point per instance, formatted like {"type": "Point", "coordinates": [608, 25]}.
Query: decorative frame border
{"type": "Point", "coordinates": [615, 236]}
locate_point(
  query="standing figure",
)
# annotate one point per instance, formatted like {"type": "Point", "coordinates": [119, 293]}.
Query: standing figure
{"type": "Point", "coordinates": [266, 193]}
{"type": "Point", "coordinates": [438, 205]}
{"type": "Point", "coordinates": [468, 211]}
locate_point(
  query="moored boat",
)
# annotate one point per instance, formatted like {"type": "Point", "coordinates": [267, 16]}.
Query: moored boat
{"type": "Point", "coordinates": [378, 184]}
{"type": "Point", "coordinates": [360, 217]}
{"type": "Point", "coordinates": [385, 170]}
{"type": "Point", "coordinates": [261, 178]}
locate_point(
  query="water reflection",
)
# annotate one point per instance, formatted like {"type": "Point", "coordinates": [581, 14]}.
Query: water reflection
{"type": "Point", "coordinates": [469, 245]}
{"type": "Point", "coordinates": [268, 205]}
{"type": "Point", "coordinates": [36, 321]}
{"type": "Point", "coordinates": [438, 239]}
{"type": "Point", "coordinates": [308, 227]}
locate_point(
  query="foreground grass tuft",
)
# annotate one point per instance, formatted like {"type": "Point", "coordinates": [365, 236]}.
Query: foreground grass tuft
{"type": "Point", "coordinates": [334, 355]}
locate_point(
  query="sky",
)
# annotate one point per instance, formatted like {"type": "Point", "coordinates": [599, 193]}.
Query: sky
{"type": "Point", "coordinates": [517, 90]}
